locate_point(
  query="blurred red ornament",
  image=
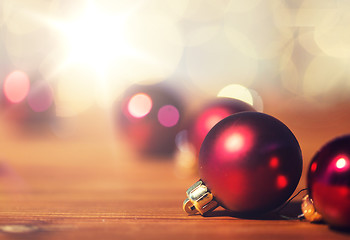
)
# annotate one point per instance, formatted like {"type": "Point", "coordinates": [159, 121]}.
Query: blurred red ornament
{"type": "Point", "coordinates": [250, 162]}
{"type": "Point", "coordinates": [211, 114]}
{"type": "Point", "coordinates": [33, 109]}
{"type": "Point", "coordinates": [150, 118]}
{"type": "Point", "coordinates": [329, 182]}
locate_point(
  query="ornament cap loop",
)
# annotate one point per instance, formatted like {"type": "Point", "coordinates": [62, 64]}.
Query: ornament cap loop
{"type": "Point", "coordinates": [199, 199]}
{"type": "Point", "coordinates": [309, 211]}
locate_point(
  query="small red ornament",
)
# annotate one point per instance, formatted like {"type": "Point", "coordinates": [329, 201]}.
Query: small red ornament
{"type": "Point", "coordinates": [34, 111]}
{"type": "Point", "coordinates": [211, 114]}
{"type": "Point", "coordinates": [249, 162]}
{"type": "Point", "coordinates": [149, 117]}
{"type": "Point", "coordinates": [329, 182]}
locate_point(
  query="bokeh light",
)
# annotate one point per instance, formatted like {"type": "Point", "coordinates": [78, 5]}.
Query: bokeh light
{"type": "Point", "coordinates": [258, 103]}
{"type": "Point", "coordinates": [203, 47]}
{"type": "Point", "coordinates": [22, 17]}
{"type": "Point", "coordinates": [24, 36]}
{"type": "Point", "coordinates": [242, 6]}
{"type": "Point", "coordinates": [221, 62]}
{"type": "Point", "coordinates": [307, 41]}
{"type": "Point", "coordinates": [148, 118]}
{"type": "Point", "coordinates": [168, 116]}
{"type": "Point", "coordinates": [139, 105]}
{"type": "Point", "coordinates": [182, 141]}
{"type": "Point", "coordinates": [122, 41]}
{"type": "Point", "coordinates": [324, 75]}
{"type": "Point", "coordinates": [290, 77]}
{"type": "Point", "coordinates": [40, 97]}
{"type": "Point", "coordinates": [257, 34]}
{"type": "Point", "coordinates": [238, 92]}
{"type": "Point", "coordinates": [186, 163]}
{"type": "Point", "coordinates": [204, 11]}
{"type": "Point", "coordinates": [197, 34]}
{"type": "Point", "coordinates": [16, 86]}
{"type": "Point", "coordinates": [332, 34]}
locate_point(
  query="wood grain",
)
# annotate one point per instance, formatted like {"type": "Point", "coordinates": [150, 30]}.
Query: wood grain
{"type": "Point", "coordinates": [86, 188]}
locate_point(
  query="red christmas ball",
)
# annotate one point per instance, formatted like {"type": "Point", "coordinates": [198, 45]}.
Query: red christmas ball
{"type": "Point", "coordinates": [149, 117]}
{"type": "Point", "coordinates": [251, 162]}
{"type": "Point", "coordinates": [211, 114]}
{"type": "Point", "coordinates": [329, 182]}
{"type": "Point", "coordinates": [29, 110]}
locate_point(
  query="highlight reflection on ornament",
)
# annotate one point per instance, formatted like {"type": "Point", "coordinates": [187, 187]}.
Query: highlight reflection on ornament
{"type": "Point", "coordinates": [211, 114]}
{"type": "Point", "coordinates": [250, 162]}
{"type": "Point", "coordinates": [329, 182]}
{"type": "Point", "coordinates": [150, 118]}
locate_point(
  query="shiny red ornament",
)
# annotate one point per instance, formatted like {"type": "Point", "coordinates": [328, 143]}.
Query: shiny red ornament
{"type": "Point", "coordinates": [149, 118]}
{"type": "Point", "coordinates": [211, 114]}
{"type": "Point", "coordinates": [251, 162]}
{"type": "Point", "coordinates": [328, 181]}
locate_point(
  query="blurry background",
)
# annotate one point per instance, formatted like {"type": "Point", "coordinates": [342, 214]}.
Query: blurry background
{"type": "Point", "coordinates": [64, 64]}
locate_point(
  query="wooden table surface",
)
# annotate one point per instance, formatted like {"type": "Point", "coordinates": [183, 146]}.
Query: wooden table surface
{"type": "Point", "coordinates": [91, 189]}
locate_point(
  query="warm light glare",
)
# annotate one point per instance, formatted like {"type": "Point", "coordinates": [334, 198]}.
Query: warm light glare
{"type": "Point", "coordinates": [95, 38]}
{"type": "Point", "coordinates": [140, 105]}
{"type": "Point", "coordinates": [238, 92]}
{"type": "Point", "coordinates": [226, 47]}
{"type": "Point", "coordinates": [168, 116]}
{"type": "Point", "coordinates": [16, 86]}
{"type": "Point", "coordinates": [74, 92]}
{"type": "Point", "coordinates": [217, 63]}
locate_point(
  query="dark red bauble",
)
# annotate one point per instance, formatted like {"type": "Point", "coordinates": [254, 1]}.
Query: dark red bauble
{"type": "Point", "coordinates": [329, 182]}
{"type": "Point", "coordinates": [149, 117]}
{"type": "Point", "coordinates": [211, 114]}
{"type": "Point", "coordinates": [35, 112]}
{"type": "Point", "coordinates": [251, 162]}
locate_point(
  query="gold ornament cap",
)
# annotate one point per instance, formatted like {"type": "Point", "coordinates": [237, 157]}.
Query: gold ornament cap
{"type": "Point", "coordinates": [309, 210]}
{"type": "Point", "coordinates": [199, 199]}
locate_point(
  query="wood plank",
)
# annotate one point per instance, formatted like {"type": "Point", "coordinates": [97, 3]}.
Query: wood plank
{"type": "Point", "coordinates": [93, 189]}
